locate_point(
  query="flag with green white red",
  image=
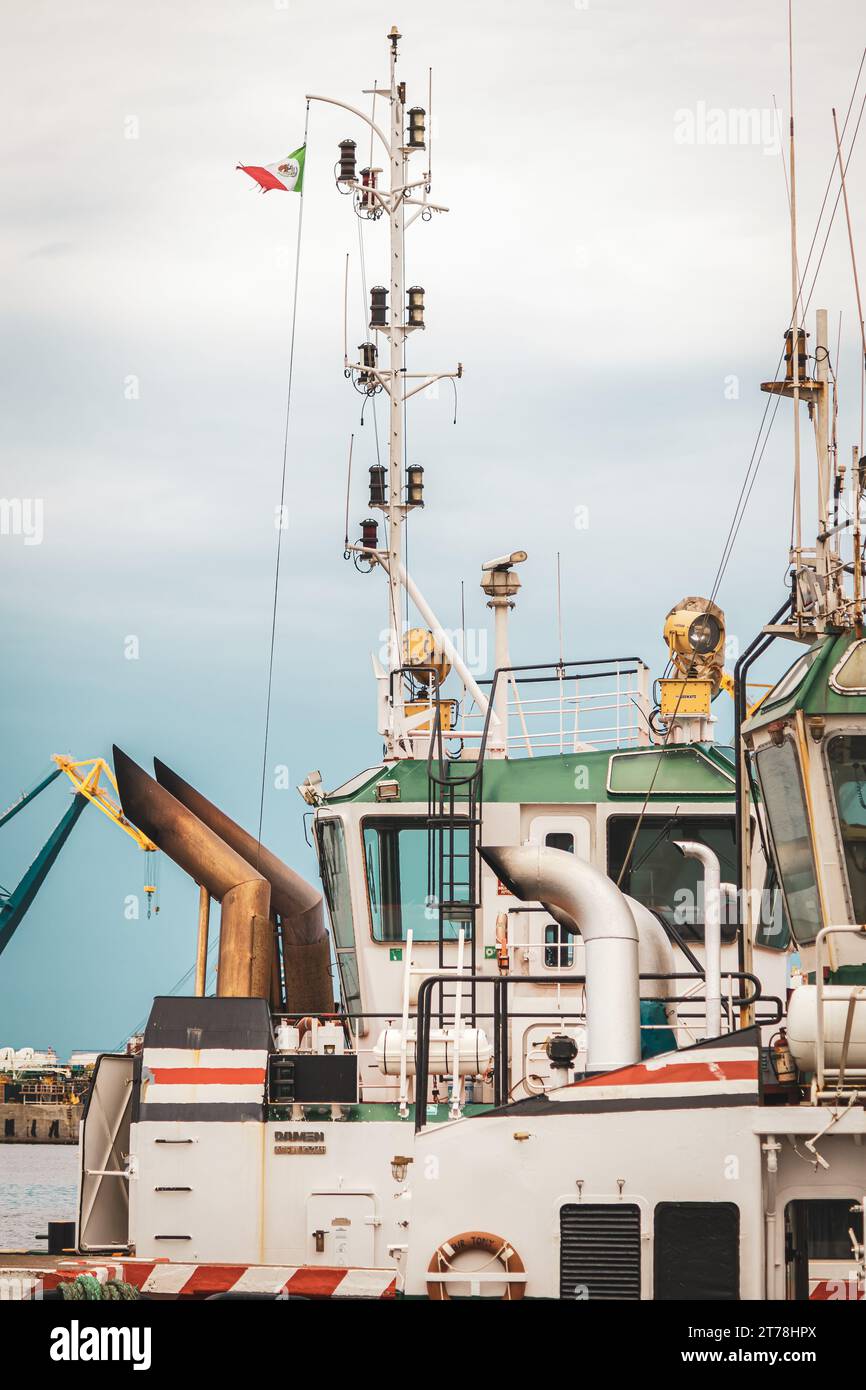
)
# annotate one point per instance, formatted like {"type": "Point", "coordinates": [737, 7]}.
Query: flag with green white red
{"type": "Point", "coordinates": [287, 174]}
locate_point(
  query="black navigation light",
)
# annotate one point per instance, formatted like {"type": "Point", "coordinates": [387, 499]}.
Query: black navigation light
{"type": "Point", "coordinates": [347, 162]}
{"type": "Point", "coordinates": [415, 485]}
{"type": "Point", "coordinates": [369, 355]}
{"type": "Point", "coordinates": [370, 533]}
{"type": "Point", "coordinates": [801, 355]}
{"type": "Point", "coordinates": [378, 307]}
{"type": "Point", "coordinates": [417, 129]}
{"type": "Point", "coordinates": [377, 485]}
{"type": "Point", "coordinates": [369, 182]}
{"type": "Point", "coordinates": [416, 307]}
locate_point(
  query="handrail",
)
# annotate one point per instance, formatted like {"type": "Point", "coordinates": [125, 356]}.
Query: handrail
{"type": "Point", "coordinates": [846, 930]}
{"type": "Point", "coordinates": [500, 984]}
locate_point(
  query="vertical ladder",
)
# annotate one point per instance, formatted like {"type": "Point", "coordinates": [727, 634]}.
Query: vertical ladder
{"type": "Point", "coordinates": [453, 837]}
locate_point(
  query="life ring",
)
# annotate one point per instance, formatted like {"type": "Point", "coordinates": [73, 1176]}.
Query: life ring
{"type": "Point", "coordinates": [496, 1246]}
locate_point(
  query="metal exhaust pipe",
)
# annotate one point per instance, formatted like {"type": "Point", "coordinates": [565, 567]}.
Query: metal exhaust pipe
{"type": "Point", "coordinates": [244, 894]}
{"type": "Point", "coordinates": [536, 873]}
{"type": "Point", "coordinates": [305, 942]}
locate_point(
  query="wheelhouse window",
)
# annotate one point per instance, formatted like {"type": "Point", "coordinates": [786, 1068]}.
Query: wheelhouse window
{"type": "Point", "coordinates": [657, 874]}
{"type": "Point", "coordinates": [785, 804]}
{"type": "Point", "coordinates": [404, 887]}
{"type": "Point", "coordinates": [334, 869]}
{"type": "Point", "coordinates": [846, 756]}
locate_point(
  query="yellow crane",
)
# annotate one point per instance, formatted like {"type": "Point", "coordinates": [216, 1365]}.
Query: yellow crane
{"type": "Point", "coordinates": [91, 778]}
{"type": "Point", "coordinates": [85, 775]}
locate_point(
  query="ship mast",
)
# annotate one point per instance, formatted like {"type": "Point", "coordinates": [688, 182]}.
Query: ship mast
{"type": "Point", "coordinates": [818, 597]}
{"type": "Point", "coordinates": [394, 314]}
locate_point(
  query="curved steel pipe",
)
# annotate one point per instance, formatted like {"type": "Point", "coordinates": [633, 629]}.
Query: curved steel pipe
{"type": "Point", "coordinates": [298, 903]}
{"type": "Point", "coordinates": [244, 894]}
{"type": "Point", "coordinates": [536, 873]}
{"type": "Point", "coordinates": [655, 956]}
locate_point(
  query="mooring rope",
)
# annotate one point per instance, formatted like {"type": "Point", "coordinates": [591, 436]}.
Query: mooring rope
{"type": "Point", "coordinates": [281, 515]}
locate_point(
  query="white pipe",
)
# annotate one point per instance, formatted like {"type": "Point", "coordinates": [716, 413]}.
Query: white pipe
{"type": "Point", "coordinates": [535, 873]}
{"type": "Point", "coordinates": [709, 861]}
{"type": "Point", "coordinates": [404, 1031]}
{"type": "Point", "coordinates": [454, 1112]}
{"type": "Point", "coordinates": [442, 639]}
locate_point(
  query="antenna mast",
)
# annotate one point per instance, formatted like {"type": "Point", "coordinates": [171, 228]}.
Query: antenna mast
{"type": "Point", "coordinates": [396, 511]}
{"type": "Point", "coordinates": [797, 538]}
{"type": "Point", "coordinates": [395, 312]}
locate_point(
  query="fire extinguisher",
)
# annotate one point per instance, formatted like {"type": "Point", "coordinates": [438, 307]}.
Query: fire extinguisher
{"type": "Point", "coordinates": [782, 1061]}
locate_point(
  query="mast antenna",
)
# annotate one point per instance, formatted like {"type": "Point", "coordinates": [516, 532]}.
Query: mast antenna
{"type": "Point", "coordinates": [797, 538]}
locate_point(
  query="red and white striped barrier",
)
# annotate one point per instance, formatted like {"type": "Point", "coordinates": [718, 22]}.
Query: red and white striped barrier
{"type": "Point", "coordinates": [165, 1279]}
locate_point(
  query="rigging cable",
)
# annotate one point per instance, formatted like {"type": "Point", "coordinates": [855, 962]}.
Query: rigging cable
{"type": "Point", "coordinates": [281, 514]}
{"type": "Point", "coordinates": [753, 465]}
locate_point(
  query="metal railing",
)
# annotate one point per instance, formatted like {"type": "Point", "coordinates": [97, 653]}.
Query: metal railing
{"type": "Point", "coordinates": [564, 707]}
{"type": "Point", "coordinates": [857, 996]}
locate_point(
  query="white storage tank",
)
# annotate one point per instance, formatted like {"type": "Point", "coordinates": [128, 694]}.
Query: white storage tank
{"type": "Point", "coordinates": [475, 1051]}
{"type": "Point", "coordinates": [802, 1026]}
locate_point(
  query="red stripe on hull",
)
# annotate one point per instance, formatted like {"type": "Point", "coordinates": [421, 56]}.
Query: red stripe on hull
{"type": "Point", "coordinates": [207, 1076]}
{"type": "Point", "coordinates": [675, 1072]}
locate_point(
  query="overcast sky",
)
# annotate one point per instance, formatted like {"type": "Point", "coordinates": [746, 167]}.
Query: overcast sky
{"type": "Point", "coordinates": [613, 273]}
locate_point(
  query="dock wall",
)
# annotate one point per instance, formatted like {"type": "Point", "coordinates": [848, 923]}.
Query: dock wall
{"type": "Point", "coordinates": [39, 1124]}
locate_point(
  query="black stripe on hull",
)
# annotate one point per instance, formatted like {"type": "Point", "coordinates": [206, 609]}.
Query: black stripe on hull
{"type": "Point", "coordinates": [231, 1111]}
{"type": "Point", "coordinates": [542, 1106]}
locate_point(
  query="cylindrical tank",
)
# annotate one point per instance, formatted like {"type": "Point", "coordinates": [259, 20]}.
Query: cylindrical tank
{"type": "Point", "coordinates": [475, 1051]}
{"type": "Point", "coordinates": [802, 1027]}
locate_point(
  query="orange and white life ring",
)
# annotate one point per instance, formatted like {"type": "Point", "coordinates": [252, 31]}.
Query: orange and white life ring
{"type": "Point", "coordinates": [496, 1246]}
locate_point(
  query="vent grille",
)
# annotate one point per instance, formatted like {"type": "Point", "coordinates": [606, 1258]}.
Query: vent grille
{"type": "Point", "coordinates": [600, 1251]}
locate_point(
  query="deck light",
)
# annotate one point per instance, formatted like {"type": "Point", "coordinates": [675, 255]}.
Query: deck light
{"type": "Point", "coordinates": [378, 307]}
{"type": "Point", "coordinates": [417, 131]}
{"type": "Point", "coordinates": [370, 533]}
{"type": "Point", "coordinates": [347, 162]}
{"type": "Point", "coordinates": [414, 485]}
{"type": "Point", "coordinates": [377, 485]}
{"type": "Point", "coordinates": [388, 790]}
{"type": "Point", "coordinates": [704, 633]}
{"type": "Point", "coordinates": [416, 307]}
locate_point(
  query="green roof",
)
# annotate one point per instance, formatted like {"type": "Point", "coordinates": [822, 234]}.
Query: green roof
{"type": "Point", "coordinates": [700, 771]}
{"type": "Point", "coordinates": [807, 684]}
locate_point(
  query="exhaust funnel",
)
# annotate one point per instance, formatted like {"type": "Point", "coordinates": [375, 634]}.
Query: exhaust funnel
{"type": "Point", "coordinates": [306, 946]}
{"type": "Point", "coordinates": [536, 873]}
{"type": "Point", "coordinates": [244, 894]}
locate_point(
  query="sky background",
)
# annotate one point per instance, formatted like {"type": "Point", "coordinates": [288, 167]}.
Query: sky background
{"type": "Point", "coordinates": [615, 292]}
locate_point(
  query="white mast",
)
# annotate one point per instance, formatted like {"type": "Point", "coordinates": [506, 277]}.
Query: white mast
{"type": "Point", "coordinates": [396, 511]}
{"type": "Point", "coordinates": [797, 538]}
{"type": "Point", "coordinates": [395, 322]}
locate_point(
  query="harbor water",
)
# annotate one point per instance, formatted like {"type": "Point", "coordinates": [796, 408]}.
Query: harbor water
{"type": "Point", "coordinates": [38, 1183]}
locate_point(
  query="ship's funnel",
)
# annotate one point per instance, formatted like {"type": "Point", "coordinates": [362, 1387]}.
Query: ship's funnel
{"type": "Point", "coordinates": [536, 873]}
{"type": "Point", "coordinates": [306, 948]}
{"type": "Point", "coordinates": [245, 926]}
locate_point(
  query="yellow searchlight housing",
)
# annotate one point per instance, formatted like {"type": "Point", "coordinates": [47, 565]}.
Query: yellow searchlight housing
{"type": "Point", "coordinates": [695, 635]}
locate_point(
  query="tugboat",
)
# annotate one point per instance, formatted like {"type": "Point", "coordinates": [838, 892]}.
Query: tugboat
{"type": "Point", "coordinates": [531, 1038]}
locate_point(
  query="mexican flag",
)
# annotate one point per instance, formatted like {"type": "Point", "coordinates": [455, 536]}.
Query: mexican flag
{"type": "Point", "coordinates": [287, 175]}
